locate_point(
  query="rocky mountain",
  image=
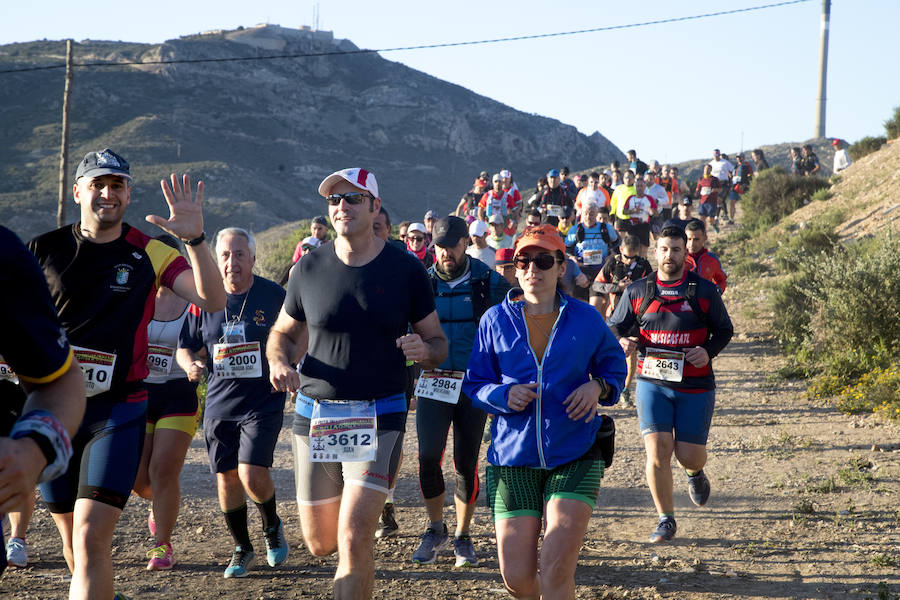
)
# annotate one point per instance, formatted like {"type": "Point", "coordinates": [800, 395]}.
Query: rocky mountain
{"type": "Point", "coordinates": [261, 133]}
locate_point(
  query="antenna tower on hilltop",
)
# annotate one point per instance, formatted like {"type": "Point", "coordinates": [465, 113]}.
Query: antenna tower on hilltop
{"type": "Point", "coordinates": [823, 68]}
{"type": "Point", "coordinates": [316, 16]}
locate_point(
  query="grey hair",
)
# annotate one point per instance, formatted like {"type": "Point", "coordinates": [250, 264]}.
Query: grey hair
{"type": "Point", "coordinates": [251, 241]}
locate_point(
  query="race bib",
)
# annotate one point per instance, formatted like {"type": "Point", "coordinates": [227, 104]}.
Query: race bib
{"type": "Point", "coordinates": [97, 368]}
{"type": "Point", "coordinates": [343, 431]}
{"type": "Point", "coordinates": [237, 361]}
{"type": "Point", "coordinates": [665, 365]}
{"type": "Point", "coordinates": [160, 359]}
{"type": "Point", "coordinates": [6, 372]}
{"type": "Point", "coordinates": [555, 210]}
{"type": "Point", "coordinates": [440, 385]}
{"type": "Point", "coordinates": [592, 257]}
{"type": "Point", "coordinates": [705, 190]}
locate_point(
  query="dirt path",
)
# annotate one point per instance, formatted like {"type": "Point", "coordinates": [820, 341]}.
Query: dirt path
{"type": "Point", "coordinates": [805, 504]}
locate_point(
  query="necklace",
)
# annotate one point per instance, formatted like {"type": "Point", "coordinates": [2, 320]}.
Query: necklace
{"type": "Point", "coordinates": [535, 320]}
{"type": "Point", "coordinates": [241, 314]}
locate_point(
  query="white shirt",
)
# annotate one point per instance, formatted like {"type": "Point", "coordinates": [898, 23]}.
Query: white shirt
{"type": "Point", "coordinates": [658, 193]}
{"type": "Point", "coordinates": [487, 255]}
{"type": "Point", "coordinates": [841, 160]}
{"type": "Point", "coordinates": [639, 208]}
{"type": "Point", "coordinates": [722, 170]}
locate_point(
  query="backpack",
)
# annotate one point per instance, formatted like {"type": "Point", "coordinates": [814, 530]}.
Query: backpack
{"type": "Point", "coordinates": [690, 295]}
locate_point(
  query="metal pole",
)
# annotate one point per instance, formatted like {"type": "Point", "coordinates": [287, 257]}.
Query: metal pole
{"type": "Point", "coordinates": [823, 68]}
{"type": "Point", "coordinates": [64, 143]}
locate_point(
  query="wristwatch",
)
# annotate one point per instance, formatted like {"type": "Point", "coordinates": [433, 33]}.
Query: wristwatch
{"type": "Point", "coordinates": [604, 387]}
{"type": "Point", "coordinates": [197, 240]}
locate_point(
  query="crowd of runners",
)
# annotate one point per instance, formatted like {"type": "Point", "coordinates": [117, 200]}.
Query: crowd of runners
{"type": "Point", "coordinates": [514, 321]}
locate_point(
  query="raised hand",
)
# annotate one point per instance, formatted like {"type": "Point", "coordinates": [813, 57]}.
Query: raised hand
{"type": "Point", "coordinates": [185, 214]}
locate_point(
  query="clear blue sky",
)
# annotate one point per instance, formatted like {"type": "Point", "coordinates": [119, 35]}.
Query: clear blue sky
{"type": "Point", "coordinates": [672, 91]}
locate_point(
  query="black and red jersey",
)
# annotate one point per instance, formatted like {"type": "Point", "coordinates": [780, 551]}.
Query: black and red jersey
{"type": "Point", "coordinates": [671, 323]}
{"type": "Point", "coordinates": [105, 294]}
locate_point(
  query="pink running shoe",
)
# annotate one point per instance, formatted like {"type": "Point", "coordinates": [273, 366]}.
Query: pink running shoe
{"type": "Point", "coordinates": [151, 524]}
{"type": "Point", "coordinates": [162, 558]}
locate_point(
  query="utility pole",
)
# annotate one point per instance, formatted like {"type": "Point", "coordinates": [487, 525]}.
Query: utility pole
{"type": "Point", "coordinates": [64, 144]}
{"type": "Point", "coordinates": [823, 68]}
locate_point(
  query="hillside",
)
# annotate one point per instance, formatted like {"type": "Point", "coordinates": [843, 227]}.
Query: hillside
{"type": "Point", "coordinates": [262, 134]}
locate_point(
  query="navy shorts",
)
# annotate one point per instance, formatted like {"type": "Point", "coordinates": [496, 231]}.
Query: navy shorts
{"type": "Point", "coordinates": [709, 209]}
{"type": "Point", "coordinates": [664, 409]}
{"type": "Point", "coordinates": [250, 440]}
{"type": "Point", "coordinates": [107, 452]}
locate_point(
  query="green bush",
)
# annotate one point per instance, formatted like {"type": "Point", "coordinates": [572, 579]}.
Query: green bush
{"type": "Point", "coordinates": [866, 145]}
{"type": "Point", "coordinates": [774, 194]}
{"type": "Point", "coordinates": [892, 125]}
{"type": "Point", "coordinates": [798, 250]}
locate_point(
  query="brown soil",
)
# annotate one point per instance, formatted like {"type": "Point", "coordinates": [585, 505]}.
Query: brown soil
{"type": "Point", "coordinates": [805, 505]}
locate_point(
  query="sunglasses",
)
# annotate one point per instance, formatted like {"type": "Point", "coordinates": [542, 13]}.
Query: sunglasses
{"type": "Point", "coordinates": [415, 238]}
{"type": "Point", "coordinates": [626, 257]}
{"type": "Point", "coordinates": [541, 261]}
{"type": "Point", "coordinates": [350, 198]}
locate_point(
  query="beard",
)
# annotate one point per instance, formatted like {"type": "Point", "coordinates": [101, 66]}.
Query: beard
{"type": "Point", "coordinates": [672, 267]}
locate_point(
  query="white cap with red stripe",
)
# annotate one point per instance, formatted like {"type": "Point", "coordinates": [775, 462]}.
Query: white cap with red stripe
{"type": "Point", "coordinates": [356, 176]}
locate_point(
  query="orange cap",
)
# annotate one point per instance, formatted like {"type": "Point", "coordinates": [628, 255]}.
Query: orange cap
{"type": "Point", "coordinates": [541, 236]}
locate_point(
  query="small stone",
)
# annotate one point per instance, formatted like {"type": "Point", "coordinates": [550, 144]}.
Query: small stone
{"type": "Point", "coordinates": [730, 573]}
{"type": "Point", "coordinates": [199, 530]}
{"type": "Point", "coordinates": [654, 558]}
{"type": "Point", "coordinates": [876, 448]}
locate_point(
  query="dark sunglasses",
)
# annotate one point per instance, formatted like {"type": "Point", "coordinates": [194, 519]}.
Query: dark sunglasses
{"type": "Point", "coordinates": [626, 257]}
{"type": "Point", "coordinates": [350, 198]}
{"type": "Point", "coordinates": [415, 238]}
{"type": "Point", "coordinates": [542, 261]}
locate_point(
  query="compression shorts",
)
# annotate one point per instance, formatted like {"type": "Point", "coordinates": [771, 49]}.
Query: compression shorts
{"type": "Point", "coordinates": [662, 409]}
{"type": "Point", "coordinates": [172, 405]}
{"type": "Point", "coordinates": [107, 452]}
{"type": "Point", "coordinates": [523, 491]}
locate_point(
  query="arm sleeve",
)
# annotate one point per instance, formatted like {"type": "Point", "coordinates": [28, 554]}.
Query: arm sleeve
{"type": "Point", "coordinates": [421, 294]}
{"type": "Point", "coordinates": [33, 342]}
{"type": "Point", "coordinates": [482, 381]}
{"type": "Point", "coordinates": [623, 318]}
{"type": "Point", "coordinates": [191, 336]}
{"type": "Point", "coordinates": [720, 326]}
{"type": "Point", "coordinates": [609, 364]}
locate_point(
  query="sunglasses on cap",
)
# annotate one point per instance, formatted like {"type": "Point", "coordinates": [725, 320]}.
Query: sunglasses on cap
{"type": "Point", "coordinates": [350, 198]}
{"type": "Point", "coordinates": [541, 261]}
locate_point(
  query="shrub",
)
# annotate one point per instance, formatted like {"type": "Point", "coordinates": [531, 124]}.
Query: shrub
{"type": "Point", "coordinates": [774, 194]}
{"type": "Point", "coordinates": [876, 391]}
{"type": "Point", "coordinates": [892, 125]}
{"type": "Point", "coordinates": [798, 250]}
{"type": "Point", "coordinates": [866, 145]}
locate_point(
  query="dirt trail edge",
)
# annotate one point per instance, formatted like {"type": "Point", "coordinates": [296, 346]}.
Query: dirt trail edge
{"type": "Point", "coordinates": [805, 504]}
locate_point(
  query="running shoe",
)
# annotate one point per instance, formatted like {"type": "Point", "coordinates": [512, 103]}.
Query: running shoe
{"type": "Point", "coordinates": [665, 530]}
{"type": "Point", "coordinates": [626, 399]}
{"type": "Point", "coordinates": [17, 552]}
{"type": "Point", "coordinates": [432, 542]}
{"type": "Point", "coordinates": [162, 558]}
{"type": "Point", "coordinates": [387, 523]}
{"type": "Point", "coordinates": [276, 546]}
{"type": "Point", "coordinates": [464, 551]}
{"type": "Point", "coordinates": [240, 564]}
{"type": "Point", "coordinates": [698, 488]}
{"type": "Point", "coordinates": [120, 596]}
{"type": "Point", "coordinates": [151, 523]}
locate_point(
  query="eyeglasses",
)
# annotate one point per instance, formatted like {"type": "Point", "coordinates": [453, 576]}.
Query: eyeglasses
{"type": "Point", "coordinates": [415, 238]}
{"type": "Point", "coordinates": [626, 257]}
{"type": "Point", "coordinates": [541, 261]}
{"type": "Point", "coordinates": [350, 198]}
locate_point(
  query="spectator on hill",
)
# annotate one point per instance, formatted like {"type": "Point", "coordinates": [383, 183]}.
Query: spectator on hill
{"type": "Point", "coordinates": [429, 221]}
{"type": "Point", "coordinates": [318, 228]}
{"type": "Point", "coordinates": [759, 159]}
{"type": "Point", "coordinates": [809, 162]}
{"type": "Point", "coordinates": [796, 158]}
{"type": "Point", "coordinates": [841, 156]}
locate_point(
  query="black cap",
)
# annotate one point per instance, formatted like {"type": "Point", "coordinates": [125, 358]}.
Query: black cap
{"type": "Point", "coordinates": [686, 201]}
{"type": "Point", "coordinates": [105, 162]}
{"type": "Point", "coordinates": [448, 231]}
{"type": "Point", "coordinates": [320, 220]}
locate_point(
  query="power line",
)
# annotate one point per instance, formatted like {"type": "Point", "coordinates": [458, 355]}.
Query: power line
{"type": "Point", "coordinates": [420, 47]}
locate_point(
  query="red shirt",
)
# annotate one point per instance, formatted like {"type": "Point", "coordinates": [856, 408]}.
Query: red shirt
{"type": "Point", "coordinates": [708, 266]}
{"type": "Point", "coordinates": [708, 188]}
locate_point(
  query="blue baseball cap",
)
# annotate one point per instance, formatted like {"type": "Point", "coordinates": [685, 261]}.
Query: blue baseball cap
{"type": "Point", "coordinates": [553, 173]}
{"type": "Point", "coordinates": [105, 162]}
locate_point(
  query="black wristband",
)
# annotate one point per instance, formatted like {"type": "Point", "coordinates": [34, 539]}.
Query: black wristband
{"type": "Point", "coordinates": [604, 387]}
{"type": "Point", "coordinates": [44, 444]}
{"type": "Point", "coordinates": [197, 240]}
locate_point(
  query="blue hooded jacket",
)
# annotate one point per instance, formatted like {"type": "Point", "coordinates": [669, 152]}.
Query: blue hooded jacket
{"type": "Point", "coordinates": [580, 346]}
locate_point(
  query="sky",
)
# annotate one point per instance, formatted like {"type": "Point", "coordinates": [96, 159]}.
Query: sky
{"type": "Point", "coordinates": [671, 91]}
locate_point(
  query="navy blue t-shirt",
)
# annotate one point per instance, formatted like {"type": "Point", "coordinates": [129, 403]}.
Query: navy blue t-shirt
{"type": "Point", "coordinates": [235, 398]}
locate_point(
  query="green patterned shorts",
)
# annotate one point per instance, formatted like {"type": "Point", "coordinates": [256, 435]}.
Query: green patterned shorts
{"type": "Point", "coordinates": [523, 491]}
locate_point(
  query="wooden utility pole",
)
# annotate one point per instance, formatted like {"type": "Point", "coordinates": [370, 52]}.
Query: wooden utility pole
{"type": "Point", "coordinates": [64, 143]}
{"type": "Point", "coordinates": [823, 68]}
